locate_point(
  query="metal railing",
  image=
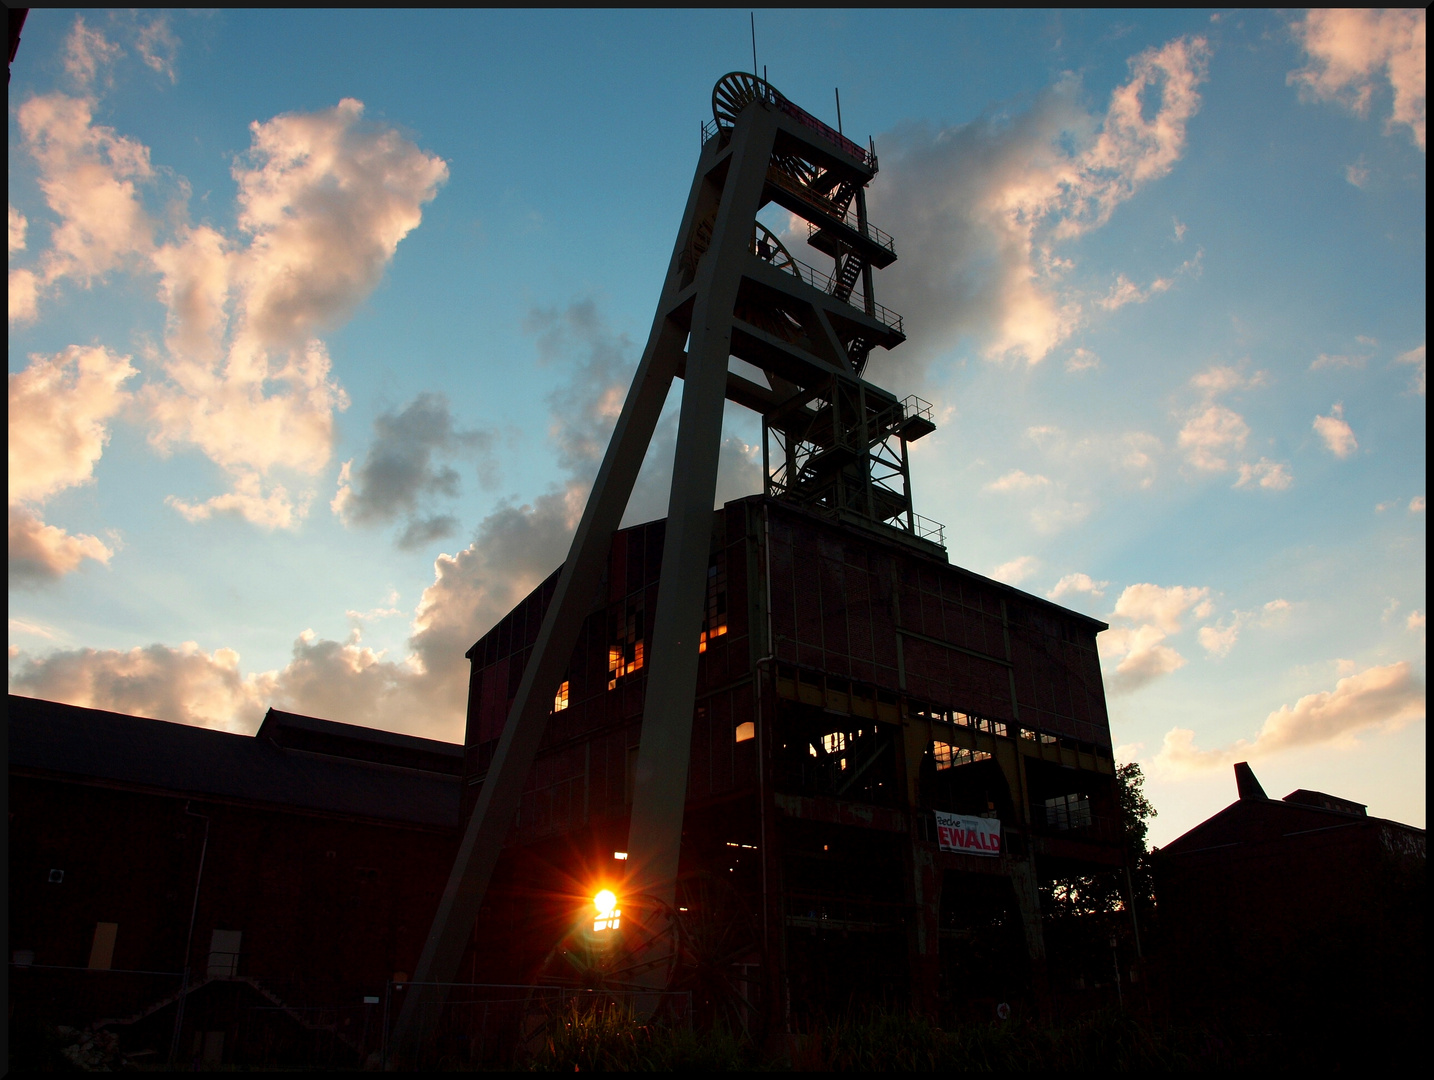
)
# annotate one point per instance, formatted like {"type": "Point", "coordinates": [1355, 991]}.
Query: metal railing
{"type": "Point", "coordinates": [826, 284]}
{"type": "Point", "coordinates": [832, 136]}
{"type": "Point", "coordinates": [911, 405]}
{"type": "Point", "coordinates": [870, 231]}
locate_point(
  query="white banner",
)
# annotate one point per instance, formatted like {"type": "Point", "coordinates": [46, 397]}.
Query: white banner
{"type": "Point", "coordinates": [971, 835]}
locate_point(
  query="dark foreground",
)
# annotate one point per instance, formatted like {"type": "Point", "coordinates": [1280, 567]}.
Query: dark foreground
{"type": "Point", "coordinates": [876, 1039]}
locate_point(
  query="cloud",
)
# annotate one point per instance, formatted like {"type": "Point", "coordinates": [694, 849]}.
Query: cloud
{"type": "Point", "coordinates": [185, 685]}
{"type": "Point", "coordinates": [58, 408]}
{"type": "Point", "coordinates": [157, 46]}
{"type": "Point", "coordinates": [1016, 480]}
{"type": "Point", "coordinates": [399, 472]}
{"type": "Point", "coordinates": [1271, 475]}
{"type": "Point", "coordinates": [1222, 379]}
{"type": "Point", "coordinates": [89, 176]}
{"type": "Point", "coordinates": [1077, 583]}
{"type": "Point", "coordinates": [1145, 657]}
{"type": "Point", "coordinates": [1415, 357]}
{"type": "Point", "coordinates": [1338, 437]}
{"type": "Point", "coordinates": [1017, 570]}
{"type": "Point", "coordinates": [18, 225]}
{"type": "Point", "coordinates": [1357, 173]}
{"type": "Point", "coordinates": [1082, 360]}
{"type": "Point", "coordinates": [1219, 639]}
{"type": "Point", "coordinates": [992, 199]}
{"type": "Point", "coordinates": [324, 200]}
{"type": "Point", "coordinates": [1275, 611]}
{"type": "Point", "coordinates": [1211, 432]}
{"type": "Point", "coordinates": [58, 412]}
{"type": "Point", "coordinates": [1326, 360]}
{"type": "Point", "coordinates": [1349, 50]}
{"type": "Point", "coordinates": [1378, 698]}
{"type": "Point", "coordinates": [87, 53]}
{"type": "Point", "coordinates": [1180, 228]}
{"type": "Point", "coordinates": [40, 553]}
{"type": "Point", "coordinates": [269, 509]}
{"type": "Point", "coordinates": [1415, 621]}
{"type": "Point", "coordinates": [1416, 504]}
{"type": "Point", "coordinates": [181, 684]}
{"type": "Point", "coordinates": [1125, 291]}
{"type": "Point", "coordinates": [1161, 606]}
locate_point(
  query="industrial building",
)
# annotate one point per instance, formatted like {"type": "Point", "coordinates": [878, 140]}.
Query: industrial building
{"type": "Point", "coordinates": [1274, 909]}
{"type": "Point", "coordinates": [223, 898]}
{"type": "Point", "coordinates": [851, 684]}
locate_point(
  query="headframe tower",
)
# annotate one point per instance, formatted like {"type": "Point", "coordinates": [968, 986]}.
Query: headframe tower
{"type": "Point", "coordinates": [832, 442]}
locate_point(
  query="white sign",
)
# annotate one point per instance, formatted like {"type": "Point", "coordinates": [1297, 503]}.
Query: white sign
{"type": "Point", "coordinates": [970, 835]}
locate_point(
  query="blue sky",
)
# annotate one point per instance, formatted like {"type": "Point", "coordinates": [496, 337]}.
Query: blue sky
{"type": "Point", "coordinates": [319, 322]}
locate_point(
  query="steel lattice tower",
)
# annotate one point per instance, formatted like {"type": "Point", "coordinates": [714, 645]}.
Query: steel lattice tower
{"type": "Point", "coordinates": [832, 442]}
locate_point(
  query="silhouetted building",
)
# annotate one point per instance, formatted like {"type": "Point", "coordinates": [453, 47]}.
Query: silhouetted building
{"type": "Point", "coordinates": [1300, 916]}
{"type": "Point", "coordinates": [851, 684]}
{"type": "Point", "coordinates": [302, 864]}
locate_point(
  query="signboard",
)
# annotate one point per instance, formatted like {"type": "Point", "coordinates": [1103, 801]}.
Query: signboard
{"type": "Point", "coordinates": [969, 835]}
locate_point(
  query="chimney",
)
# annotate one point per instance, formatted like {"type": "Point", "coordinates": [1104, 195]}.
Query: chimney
{"type": "Point", "coordinates": [1245, 781]}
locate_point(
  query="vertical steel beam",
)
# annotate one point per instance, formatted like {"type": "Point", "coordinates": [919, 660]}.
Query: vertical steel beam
{"type": "Point", "coordinates": [497, 804]}
{"type": "Point", "coordinates": [660, 788]}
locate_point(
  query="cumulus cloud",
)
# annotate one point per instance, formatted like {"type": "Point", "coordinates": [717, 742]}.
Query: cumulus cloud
{"type": "Point", "coordinates": [1210, 433]}
{"type": "Point", "coordinates": [18, 225]}
{"type": "Point", "coordinates": [185, 685]}
{"type": "Point", "coordinates": [1222, 379]}
{"type": "Point", "coordinates": [1082, 359]}
{"type": "Point", "coordinates": [269, 508]}
{"type": "Point", "coordinates": [1077, 583]}
{"type": "Point", "coordinates": [324, 200]}
{"type": "Point", "coordinates": [59, 408]}
{"type": "Point", "coordinates": [1415, 621]}
{"type": "Point", "coordinates": [993, 198]}
{"type": "Point", "coordinates": [400, 471]}
{"type": "Point", "coordinates": [1160, 606]}
{"type": "Point", "coordinates": [41, 553]}
{"type": "Point", "coordinates": [1017, 570]}
{"type": "Point", "coordinates": [1415, 358]}
{"type": "Point", "coordinates": [1016, 480]}
{"type": "Point", "coordinates": [1219, 639]}
{"type": "Point", "coordinates": [1379, 698]}
{"type": "Point", "coordinates": [90, 178]}
{"type": "Point", "coordinates": [1139, 649]}
{"type": "Point", "coordinates": [1416, 504]}
{"type": "Point", "coordinates": [1142, 654]}
{"type": "Point", "coordinates": [1264, 473]}
{"type": "Point", "coordinates": [1352, 50]}
{"type": "Point", "coordinates": [1337, 435]}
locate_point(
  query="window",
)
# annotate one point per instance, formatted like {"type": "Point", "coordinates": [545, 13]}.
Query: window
{"type": "Point", "coordinates": [714, 617]}
{"type": "Point", "coordinates": [560, 699]}
{"type": "Point", "coordinates": [746, 730]}
{"type": "Point", "coordinates": [950, 757]}
{"type": "Point", "coordinates": [1066, 812]}
{"type": "Point", "coordinates": [624, 655]}
{"type": "Point", "coordinates": [224, 953]}
{"type": "Point", "coordinates": [102, 952]}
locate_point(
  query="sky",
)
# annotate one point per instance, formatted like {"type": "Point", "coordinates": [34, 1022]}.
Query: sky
{"type": "Point", "coordinates": [319, 323]}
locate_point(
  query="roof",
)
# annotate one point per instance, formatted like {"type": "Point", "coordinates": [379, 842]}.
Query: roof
{"type": "Point", "coordinates": [295, 762]}
{"type": "Point", "coordinates": [1256, 818]}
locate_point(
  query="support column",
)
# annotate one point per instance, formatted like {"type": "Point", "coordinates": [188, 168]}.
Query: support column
{"type": "Point", "coordinates": [660, 787]}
